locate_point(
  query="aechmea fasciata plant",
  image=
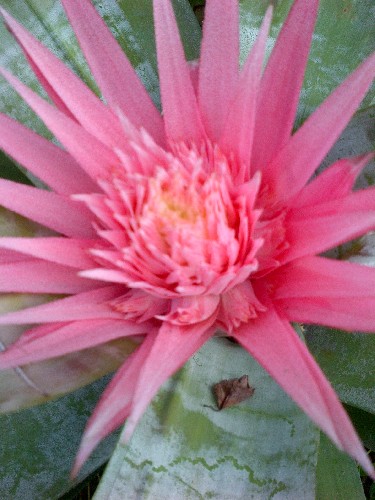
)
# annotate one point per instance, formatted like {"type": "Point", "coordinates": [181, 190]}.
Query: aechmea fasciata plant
{"type": "Point", "coordinates": [170, 227]}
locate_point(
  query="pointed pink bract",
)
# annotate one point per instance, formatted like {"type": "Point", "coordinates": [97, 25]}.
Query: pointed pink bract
{"type": "Point", "coordinates": [282, 82]}
{"type": "Point", "coordinates": [296, 162]}
{"type": "Point", "coordinates": [66, 251]}
{"type": "Point", "coordinates": [347, 313]}
{"type": "Point", "coordinates": [94, 304]}
{"type": "Point", "coordinates": [49, 209]}
{"type": "Point", "coordinates": [321, 277]}
{"type": "Point", "coordinates": [43, 343]}
{"type": "Point", "coordinates": [329, 224]}
{"type": "Point", "coordinates": [219, 66]}
{"type": "Point", "coordinates": [180, 109]}
{"type": "Point", "coordinates": [115, 405]}
{"type": "Point", "coordinates": [173, 346]}
{"type": "Point", "coordinates": [93, 156]}
{"type": "Point", "coordinates": [37, 276]}
{"type": "Point", "coordinates": [239, 127]}
{"type": "Point", "coordinates": [335, 182]}
{"type": "Point", "coordinates": [51, 164]}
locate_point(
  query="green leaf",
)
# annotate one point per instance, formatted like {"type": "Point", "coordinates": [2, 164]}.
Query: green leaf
{"type": "Point", "coordinates": [8, 170]}
{"type": "Point", "coordinates": [364, 422]}
{"type": "Point", "coordinates": [261, 448]}
{"type": "Point", "coordinates": [357, 138]}
{"type": "Point", "coordinates": [38, 446]}
{"type": "Point", "coordinates": [47, 380]}
{"type": "Point", "coordinates": [344, 36]}
{"type": "Point", "coordinates": [348, 361]}
{"type": "Point", "coordinates": [337, 475]}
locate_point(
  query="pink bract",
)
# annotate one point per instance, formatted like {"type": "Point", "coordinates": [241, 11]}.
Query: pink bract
{"type": "Point", "coordinates": [172, 226]}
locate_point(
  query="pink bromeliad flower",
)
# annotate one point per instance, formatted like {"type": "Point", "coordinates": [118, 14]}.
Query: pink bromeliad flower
{"type": "Point", "coordinates": [170, 227]}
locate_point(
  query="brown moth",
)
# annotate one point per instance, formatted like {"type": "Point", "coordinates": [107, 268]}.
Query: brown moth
{"type": "Point", "coordinates": [232, 392]}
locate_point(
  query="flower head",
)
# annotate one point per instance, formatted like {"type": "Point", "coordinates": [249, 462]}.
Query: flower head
{"type": "Point", "coordinates": [172, 227]}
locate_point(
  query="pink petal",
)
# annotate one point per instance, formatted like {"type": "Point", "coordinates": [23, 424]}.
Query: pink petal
{"type": "Point", "coordinates": [49, 209]}
{"type": "Point", "coordinates": [52, 94]}
{"type": "Point", "coordinates": [189, 310]}
{"type": "Point", "coordinates": [180, 110]}
{"type": "Point", "coordinates": [296, 162]}
{"type": "Point", "coordinates": [335, 182]}
{"type": "Point", "coordinates": [115, 404]}
{"type": "Point", "coordinates": [69, 252]}
{"type": "Point", "coordinates": [44, 159]}
{"type": "Point", "coordinates": [93, 156]}
{"type": "Point", "coordinates": [115, 75]}
{"type": "Point", "coordinates": [219, 64]}
{"type": "Point", "coordinates": [87, 305]}
{"type": "Point", "coordinates": [239, 126]}
{"type": "Point", "coordinates": [239, 305]}
{"type": "Point", "coordinates": [136, 305]}
{"type": "Point", "coordinates": [347, 313]}
{"type": "Point", "coordinates": [34, 276]}
{"type": "Point", "coordinates": [329, 292]}
{"type": "Point", "coordinates": [327, 225]}
{"type": "Point", "coordinates": [194, 74]}
{"type": "Point", "coordinates": [96, 203]}
{"type": "Point", "coordinates": [281, 83]}
{"type": "Point", "coordinates": [82, 103]}
{"type": "Point", "coordinates": [8, 256]}
{"type": "Point", "coordinates": [42, 80]}
{"type": "Point", "coordinates": [277, 347]}
{"type": "Point", "coordinates": [173, 346]}
{"type": "Point", "coordinates": [103, 274]}
{"type": "Point", "coordinates": [116, 238]}
{"type": "Point", "coordinates": [320, 277]}
{"type": "Point", "coordinates": [43, 342]}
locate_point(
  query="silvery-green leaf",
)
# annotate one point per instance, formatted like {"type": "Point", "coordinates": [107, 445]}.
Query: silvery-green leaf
{"type": "Point", "coordinates": [348, 361]}
{"type": "Point", "coordinates": [337, 476]}
{"type": "Point", "coordinates": [264, 447]}
{"type": "Point", "coordinates": [40, 382]}
{"type": "Point", "coordinates": [38, 446]}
